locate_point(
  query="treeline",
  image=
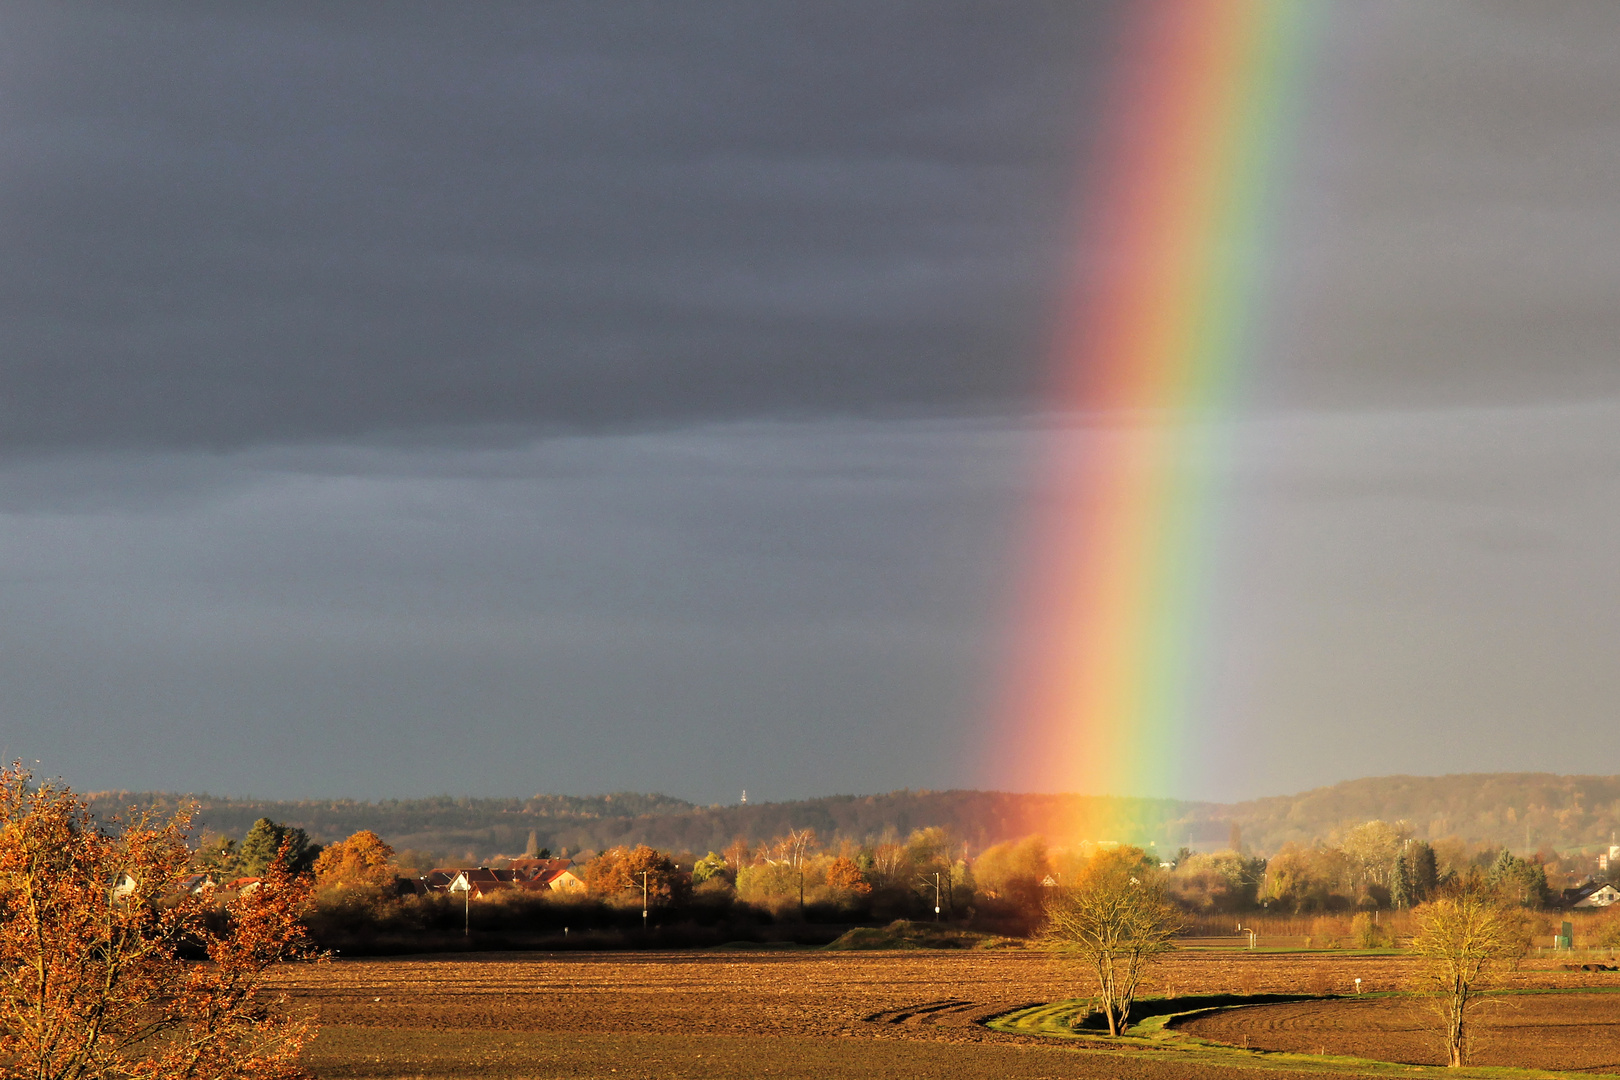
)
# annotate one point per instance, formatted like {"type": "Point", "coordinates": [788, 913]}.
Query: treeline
{"type": "Point", "coordinates": [793, 887]}
{"type": "Point", "coordinates": [370, 896]}
{"type": "Point", "coordinates": [1521, 811]}
{"type": "Point", "coordinates": [1374, 866]}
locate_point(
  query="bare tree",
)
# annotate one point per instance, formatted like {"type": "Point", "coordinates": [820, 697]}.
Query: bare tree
{"type": "Point", "coordinates": [1466, 937]}
{"type": "Point", "coordinates": [1372, 848]}
{"type": "Point", "coordinates": [793, 851]}
{"type": "Point", "coordinates": [1116, 919]}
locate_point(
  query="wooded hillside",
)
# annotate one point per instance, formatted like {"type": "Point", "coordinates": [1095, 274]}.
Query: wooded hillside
{"type": "Point", "coordinates": [1523, 811]}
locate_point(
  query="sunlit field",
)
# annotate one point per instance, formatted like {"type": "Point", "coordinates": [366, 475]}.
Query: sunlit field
{"type": "Point", "coordinates": [805, 1013]}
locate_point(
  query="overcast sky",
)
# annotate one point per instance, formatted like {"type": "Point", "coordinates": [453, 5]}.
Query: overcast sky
{"type": "Point", "coordinates": [490, 400]}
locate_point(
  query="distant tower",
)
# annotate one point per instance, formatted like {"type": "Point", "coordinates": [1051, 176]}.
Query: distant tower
{"type": "Point", "coordinates": [745, 797]}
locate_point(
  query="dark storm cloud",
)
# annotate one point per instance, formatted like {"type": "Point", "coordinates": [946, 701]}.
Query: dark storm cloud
{"type": "Point", "coordinates": [1456, 234]}
{"type": "Point", "coordinates": [271, 224]}
{"type": "Point", "coordinates": [251, 224]}
{"type": "Point", "coordinates": [791, 608]}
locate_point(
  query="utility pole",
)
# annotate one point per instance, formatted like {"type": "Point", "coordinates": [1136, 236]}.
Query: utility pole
{"type": "Point", "coordinates": [644, 900]}
{"type": "Point", "coordinates": [936, 896]}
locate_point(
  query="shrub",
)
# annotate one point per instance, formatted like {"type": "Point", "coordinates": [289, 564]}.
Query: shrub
{"type": "Point", "coordinates": [1367, 933]}
{"type": "Point", "coordinates": [1329, 932]}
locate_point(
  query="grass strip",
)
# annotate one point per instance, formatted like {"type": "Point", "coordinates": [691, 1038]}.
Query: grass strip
{"type": "Point", "coordinates": [1153, 1034]}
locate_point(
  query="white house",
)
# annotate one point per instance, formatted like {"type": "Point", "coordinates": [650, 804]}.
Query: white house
{"type": "Point", "coordinates": [1597, 896]}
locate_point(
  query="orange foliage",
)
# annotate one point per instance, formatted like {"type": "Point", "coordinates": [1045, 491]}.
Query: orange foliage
{"type": "Point", "coordinates": [1013, 872]}
{"type": "Point", "coordinates": [91, 939]}
{"type": "Point", "coordinates": [617, 873]}
{"type": "Point", "coordinates": [844, 878]}
{"type": "Point", "coordinates": [361, 860]}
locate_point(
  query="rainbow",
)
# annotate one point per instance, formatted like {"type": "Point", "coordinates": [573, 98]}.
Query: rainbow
{"type": "Point", "coordinates": [1150, 355]}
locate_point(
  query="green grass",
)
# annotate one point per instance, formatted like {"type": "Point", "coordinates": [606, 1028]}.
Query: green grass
{"type": "Point", "coordinates": [1064, 1020]}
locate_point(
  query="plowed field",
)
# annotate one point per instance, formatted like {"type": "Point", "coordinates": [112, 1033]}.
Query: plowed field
{"type": "Point", "coordinates": [795, 1014]}
{"type": "Point", "coordinates": [1570, 1032]}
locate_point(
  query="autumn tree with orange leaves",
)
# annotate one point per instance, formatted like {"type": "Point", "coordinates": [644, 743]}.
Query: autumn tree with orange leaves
{"type": "Point", "coordinates": [105, 974]}
{"type": "Point", "coordinates": [361, 861]}
{"type": "Point", "coordinates": [617, 873]}
{"type": "Point", "coordinates": [845, 880]}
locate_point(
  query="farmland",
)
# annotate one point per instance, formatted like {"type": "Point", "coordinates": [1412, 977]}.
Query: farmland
{"type": "Point", "coordinates": [724, 1014]}
{"type": "Point", "coordinates": [1571, 1031]}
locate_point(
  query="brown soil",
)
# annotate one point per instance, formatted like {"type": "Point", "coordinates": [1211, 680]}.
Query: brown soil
{"type": "Point", "coordinates": [873, 995]}
{"type": "Point", "coordinates": [718, 1015]}
{"type": "Point", "coordinates": [1566, 1031]}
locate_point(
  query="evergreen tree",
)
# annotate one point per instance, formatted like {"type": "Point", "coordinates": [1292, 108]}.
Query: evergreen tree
{"type": "Point", "coordinates": [258, 848]}
{"type": "Point", "coordinates": [1400, 883]}
{"type": "Point", "coordinates": [1425, 871]}
{"type": "Point", "coordinates": [1518, 880]}
{"type": "Point", "coordinates": [217, 856]}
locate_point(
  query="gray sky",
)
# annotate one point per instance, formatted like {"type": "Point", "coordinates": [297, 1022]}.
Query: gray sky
{"type": "Point", "coordinates": [408, 400]}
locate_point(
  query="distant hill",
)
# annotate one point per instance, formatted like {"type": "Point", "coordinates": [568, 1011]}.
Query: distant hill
{"type": "Point", "coordinates": [463, 829]}
{"type": "Point", "coordinates": [1523, 811]}
{"type": "Point", "coordinates": [1518, 810]}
